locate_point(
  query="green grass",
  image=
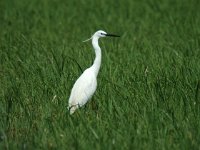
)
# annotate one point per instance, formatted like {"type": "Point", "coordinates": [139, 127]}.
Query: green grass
{"type": "Point", "coordinates": [148, 94]}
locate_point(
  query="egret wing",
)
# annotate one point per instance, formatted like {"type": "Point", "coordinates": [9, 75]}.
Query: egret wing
{"type": "Point", "coordinates": [83, 89]}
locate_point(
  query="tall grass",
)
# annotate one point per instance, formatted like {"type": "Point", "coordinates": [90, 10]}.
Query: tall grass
{"type": "Point", "coordinates": [148, 94]}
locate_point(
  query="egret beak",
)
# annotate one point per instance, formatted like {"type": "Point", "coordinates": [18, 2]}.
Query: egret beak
{"type": "Point", "coordinates": [113, 35]}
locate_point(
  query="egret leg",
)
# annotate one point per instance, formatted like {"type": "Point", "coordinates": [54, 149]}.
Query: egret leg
{"type": "Point", "coordinates": [94, 105]}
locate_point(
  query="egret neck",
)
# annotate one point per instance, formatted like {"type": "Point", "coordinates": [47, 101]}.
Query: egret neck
{"type": "Point", "coordinates": [97, 62]}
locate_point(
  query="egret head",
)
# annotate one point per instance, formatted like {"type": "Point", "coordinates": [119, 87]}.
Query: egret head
{"type": "Point", "coordinates": [100, 34]}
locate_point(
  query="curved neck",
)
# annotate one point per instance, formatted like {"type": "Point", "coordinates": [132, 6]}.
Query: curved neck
{"type": "Point", "coordinates": [97, 62]}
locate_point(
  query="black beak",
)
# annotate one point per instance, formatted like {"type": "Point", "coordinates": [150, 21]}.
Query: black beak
{"type": "Point", "coordinates": [113, 35]}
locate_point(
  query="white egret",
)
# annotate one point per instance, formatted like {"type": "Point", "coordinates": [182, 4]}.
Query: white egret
{"type": "Point", "coordinates": [86, 84]}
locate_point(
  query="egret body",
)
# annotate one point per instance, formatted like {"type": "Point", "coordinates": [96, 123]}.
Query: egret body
{"type": "Point", "coordinates": [86, 84]}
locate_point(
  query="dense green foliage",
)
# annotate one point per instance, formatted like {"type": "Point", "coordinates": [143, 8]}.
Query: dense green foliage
{"type": "Point", "coordinates": [148, 94]}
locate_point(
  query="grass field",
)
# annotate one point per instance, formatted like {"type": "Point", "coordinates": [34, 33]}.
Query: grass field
{"type": "Point", "coordinates": [148, 94]}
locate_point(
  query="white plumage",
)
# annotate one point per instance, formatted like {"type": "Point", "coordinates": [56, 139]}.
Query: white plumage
{"type": "Point", "coordinates": [86, 84]}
